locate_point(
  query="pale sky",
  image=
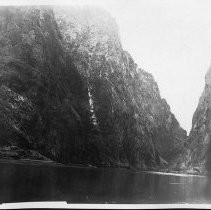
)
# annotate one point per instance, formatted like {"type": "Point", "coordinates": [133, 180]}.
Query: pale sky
{"type": "Point", "coordinates": [169, 38]}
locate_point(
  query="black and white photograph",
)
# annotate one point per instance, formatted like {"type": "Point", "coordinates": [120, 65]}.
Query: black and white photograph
{"type": "Point", "coordinates": [105, 104]}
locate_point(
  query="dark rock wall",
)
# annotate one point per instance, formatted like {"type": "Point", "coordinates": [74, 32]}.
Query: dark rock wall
{"type": "Point", "coordinates": [45, 101]}
{"type": "Point", "coordinates": [69, 91]}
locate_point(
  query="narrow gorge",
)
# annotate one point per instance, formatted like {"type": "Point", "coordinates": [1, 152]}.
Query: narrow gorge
{"type": "Point", "coordinates": [196, 156]}
{"type": "Point", "coordinates": [83, 121]}
{"type": "Point", "coordinates": [71, 93]}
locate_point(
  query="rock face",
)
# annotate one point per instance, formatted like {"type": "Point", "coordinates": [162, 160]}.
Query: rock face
{"type": "Point", "coordinates": [70, 91]}
{"type": "Point", "coordinates": [195, 155]}
{"type": "Point", "coordinates": [44, 102]}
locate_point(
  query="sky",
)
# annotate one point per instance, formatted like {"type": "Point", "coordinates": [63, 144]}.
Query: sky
{"type": "Point", "coordinates": [169, 38]}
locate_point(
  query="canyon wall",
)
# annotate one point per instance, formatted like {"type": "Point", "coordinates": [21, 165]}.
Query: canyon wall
{"type": "Point", "coordinates": [196, 150]}
{"type": "Point", "coordinates": [71, 93]}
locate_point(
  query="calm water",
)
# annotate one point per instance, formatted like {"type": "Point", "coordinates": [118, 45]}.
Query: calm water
{"type": "Point", "coordinates": [19, 183]}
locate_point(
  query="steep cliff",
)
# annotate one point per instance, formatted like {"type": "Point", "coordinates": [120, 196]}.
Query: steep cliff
{"type": "Point", "coordinates": [195, 155]}
{"type": "Point", "coordinates": [44, 103]}
{"type": "Point", "coordinates": [70, 91]}
{"type": "Point", "coordinates": [125, 91]}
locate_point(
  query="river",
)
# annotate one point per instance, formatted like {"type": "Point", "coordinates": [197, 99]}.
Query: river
{"type": "Point", "coordinates": [46, 182]}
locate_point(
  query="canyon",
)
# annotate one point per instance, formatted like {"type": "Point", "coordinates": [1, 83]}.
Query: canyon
{"type": "Point", "coordinates": [70, 93]}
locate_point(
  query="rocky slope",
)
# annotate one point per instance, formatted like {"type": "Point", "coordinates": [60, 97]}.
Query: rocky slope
{"type": "Point", "coordinates": [195, 155]}
{"type": "Point", "coordinates": [70, 92]}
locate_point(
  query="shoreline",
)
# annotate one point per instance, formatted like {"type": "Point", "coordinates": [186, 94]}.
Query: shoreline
{"type": "Point", "coordinates": [53, 163]}
{"type": "Point", "coordinates": [174, 174]}
{"type": "Point", "coordinates": [27, 161]}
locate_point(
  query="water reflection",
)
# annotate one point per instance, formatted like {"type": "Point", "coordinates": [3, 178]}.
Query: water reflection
{"type": "Point", "coordinates": [20, 183]}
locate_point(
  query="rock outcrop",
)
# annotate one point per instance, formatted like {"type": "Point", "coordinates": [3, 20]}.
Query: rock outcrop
{"type": "Point", "coordinates": [194, 157]}
{"type": "Point", "coordinates": [70, 91]}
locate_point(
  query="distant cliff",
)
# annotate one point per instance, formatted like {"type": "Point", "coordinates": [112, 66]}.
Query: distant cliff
{"type": "Point", "coordinates": [70, 92]}
{"type": "Point", "coordinates": [195, 155]}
